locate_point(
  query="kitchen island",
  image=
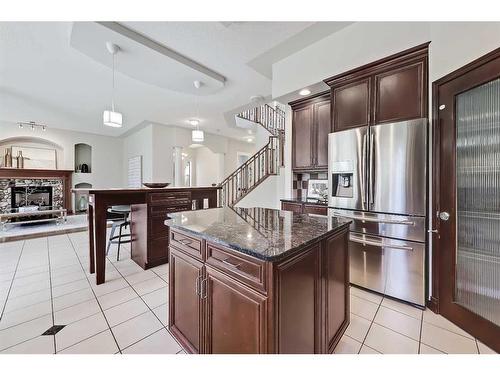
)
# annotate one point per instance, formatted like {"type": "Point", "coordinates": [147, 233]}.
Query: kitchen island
{"type": "Point", "coordinates": [257, 280]}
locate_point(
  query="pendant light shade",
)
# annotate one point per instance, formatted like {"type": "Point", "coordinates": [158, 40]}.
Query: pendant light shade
{"type": "Point", "coordinates": [113, 119]}
{"type": "Point", "coordinates": [197, 135]}
{"type": "Point", "coordinates": [110, 117]}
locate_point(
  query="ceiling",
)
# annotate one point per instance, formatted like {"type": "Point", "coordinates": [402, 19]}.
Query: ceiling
{"type": "Point", "coordinates": [44, 78]}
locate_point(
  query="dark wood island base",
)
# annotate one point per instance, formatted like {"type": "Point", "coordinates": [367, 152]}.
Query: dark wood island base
{"type": "Point", "coordinates": [226, 301]}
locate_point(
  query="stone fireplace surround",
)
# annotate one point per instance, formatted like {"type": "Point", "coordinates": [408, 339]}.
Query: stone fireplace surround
{"type": "Point", "coordinates": [59, 180]}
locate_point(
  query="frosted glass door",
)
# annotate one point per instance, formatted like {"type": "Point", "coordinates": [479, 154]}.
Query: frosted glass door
{"type": "Point", "coordinates": [477, 269]}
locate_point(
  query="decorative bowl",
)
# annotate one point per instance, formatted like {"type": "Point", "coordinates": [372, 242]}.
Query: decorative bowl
{"type": "Point", "coordinates": [156, 185]}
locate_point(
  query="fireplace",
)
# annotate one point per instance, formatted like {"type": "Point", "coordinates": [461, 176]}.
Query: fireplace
{"type": "Point", "coordinates": [31, 195]}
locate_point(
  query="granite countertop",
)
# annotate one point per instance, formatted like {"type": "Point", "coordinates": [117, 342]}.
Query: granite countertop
{"type": "Point", "coordinates": [305, 200]}
{"type": "Point", "coordinates": [264, 233]}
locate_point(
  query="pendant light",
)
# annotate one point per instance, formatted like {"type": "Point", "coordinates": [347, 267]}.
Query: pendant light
{"type": "Point", "coordinates": [197, 135]}
{"type": "Point", "coordinates": [112, 118]}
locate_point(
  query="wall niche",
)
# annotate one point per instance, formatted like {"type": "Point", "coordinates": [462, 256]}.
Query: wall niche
{"type": "Point", "coordinates": [81, 199]}
{"type": "Point", "coordinates": [83, 158]}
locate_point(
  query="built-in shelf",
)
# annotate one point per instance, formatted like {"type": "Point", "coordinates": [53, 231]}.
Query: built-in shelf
{"type": "Point", "coordinates": [83, 158]}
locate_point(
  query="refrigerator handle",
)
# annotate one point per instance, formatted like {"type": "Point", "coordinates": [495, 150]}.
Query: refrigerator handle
{"type": "Point", "coordinates": [371, 172]}
{"type": "Point", "coordinates": [363, 171]}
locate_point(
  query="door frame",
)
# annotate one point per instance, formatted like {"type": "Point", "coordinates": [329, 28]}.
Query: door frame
{"type": "Point", "coordinates": [433, 303]}
{"type": "Point", "coordinates": [481, 329]}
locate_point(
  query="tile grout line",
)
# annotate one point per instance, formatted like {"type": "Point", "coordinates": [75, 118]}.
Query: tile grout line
{"type": "Point", "coordinates": [369, 328]}
{"type": "Point", "coordinates": [51, 298]}
{"type": "Point", "coordinates": [164, 327]}
{"type": "Point", "coordinates": [12, 281]}
{"type": "Point", "coordinates": [102, 311]}
{"type": "Point", "coordinates": [420, 333]}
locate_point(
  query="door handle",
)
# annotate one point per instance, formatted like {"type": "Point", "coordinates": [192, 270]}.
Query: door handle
{"type": "Point", "coordinates": [374, 220]}
{"type": "Point", "coordinates": [363, 171]}
{"type": "Point", "coordinates": [380, 244]}
{"type": "Point", "coordinates": [445, 216]}
{"type": "Point", "coordinates": [372, 169]}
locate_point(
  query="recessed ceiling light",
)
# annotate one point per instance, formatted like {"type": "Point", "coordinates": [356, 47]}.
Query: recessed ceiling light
{"type": "Point", "coordinates": [249, 140]}
{"type": "Point", "coordinates": [304, 92]}
{"type": "Point", "coordinates": [194, 122]}
{"type": "Point", "coordinates": [250, 131]}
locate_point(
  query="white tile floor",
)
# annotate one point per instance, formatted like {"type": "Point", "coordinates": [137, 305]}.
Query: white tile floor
{"type": "Point", "coordinates": [45, 282]}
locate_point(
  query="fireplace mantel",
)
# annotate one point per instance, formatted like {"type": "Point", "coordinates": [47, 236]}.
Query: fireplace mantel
{"type": "Point", "coordinates": [64, 174]}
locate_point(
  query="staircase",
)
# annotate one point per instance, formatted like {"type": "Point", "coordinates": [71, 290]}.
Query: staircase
{"type": "Point", "coordinates": [264, 163]}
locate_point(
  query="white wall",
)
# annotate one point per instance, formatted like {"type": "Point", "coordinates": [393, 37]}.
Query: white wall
{"type": "Point", "coordinates": [156, 142]}
{"type": "Point", "coordinates": [209, 167]}
{"type": "Point", "coordinates": [453, 44]}
{"type": "Point", "coordinates": [106, 152]}
{"type": "Point", "coordinates": [139, 143]}
{"type": "Point", "coordinates": [267, 194]}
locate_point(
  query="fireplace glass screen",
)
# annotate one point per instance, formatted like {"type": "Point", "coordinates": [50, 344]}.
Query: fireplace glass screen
{"type": "Point", "coordinates": [24, 196]}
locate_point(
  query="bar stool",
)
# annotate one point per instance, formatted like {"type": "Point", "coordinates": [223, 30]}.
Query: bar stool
{"type": "Point", "coordinates": [120, 217]}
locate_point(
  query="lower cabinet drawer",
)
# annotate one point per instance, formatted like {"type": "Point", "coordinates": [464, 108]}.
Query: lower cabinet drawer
{"type": "Point", "coordinates": [295, 207]}
{"type": "Point", "coordinates": [248, 270]}
{"type": "Point", "coordinates": [188, 244]}
{"type": "Point", "coordinates": [317, 210]}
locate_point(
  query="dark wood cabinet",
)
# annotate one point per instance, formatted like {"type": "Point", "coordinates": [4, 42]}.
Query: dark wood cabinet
{"type": "Point", "coordinates": [298, 282]}
{"type": "Point", "coordinates": [351, 104]}
{"type": "Point", "coordinates": [323, 128]}
{"type": "Point", "coordinates": [305, 208]}
{"type": "Point", "coordinates": [235, 316]}
{"type": "Point", "coordinates": [399, 93]}
{"type": "Point", "coordinates": [388, 90]}
{"type": "Point", "coordinates": [150, 235]}
{"type": "Point", "coordinates": [294, 207]}
{"type": "Point", "coordinates": [302, 138]}
{"type": "Point", "coordinates": [311, 125]}
{"type": "Point", "coordinates": [336, 282]}
{"type": "Point", "coordinates": [185, 312]}
{"type": "Point", "coordinates": [228, 302]}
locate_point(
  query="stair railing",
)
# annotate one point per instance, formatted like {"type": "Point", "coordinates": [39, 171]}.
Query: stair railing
{"type": "Point", "coordinates": [273, 119]}
{"type": "Point", "coordinates": [250, 174]}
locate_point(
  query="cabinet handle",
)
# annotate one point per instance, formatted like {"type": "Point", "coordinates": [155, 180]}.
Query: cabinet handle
{"type": "Point", "coordinates": [197, 286]}
{"type": "Point", "coordinates": [185, 241]}
{"type": "Point", "coordinates": [203, 293]}
{"type": "Point", "coordinates": [226, 261]}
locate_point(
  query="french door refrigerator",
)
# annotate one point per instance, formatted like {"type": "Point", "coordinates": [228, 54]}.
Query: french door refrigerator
{"type": "Point", "coordinates": [377, 178]}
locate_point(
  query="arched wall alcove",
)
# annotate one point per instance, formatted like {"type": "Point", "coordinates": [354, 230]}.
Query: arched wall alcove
{"type": "Point", "coordinates": [31, 141]}
{"type": "Point", "coordinates": [83, 158]}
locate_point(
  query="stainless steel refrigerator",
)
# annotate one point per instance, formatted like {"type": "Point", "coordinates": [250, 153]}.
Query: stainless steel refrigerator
{"type": "Point", "coordinates": [377, 178]}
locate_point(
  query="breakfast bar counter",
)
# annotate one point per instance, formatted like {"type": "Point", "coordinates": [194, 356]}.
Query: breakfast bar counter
{"type": "Point", "coordinates": [149, 208]}
{"type": "Point", "coordinates": [256, 280]}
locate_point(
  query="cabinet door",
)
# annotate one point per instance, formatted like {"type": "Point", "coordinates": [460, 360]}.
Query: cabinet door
{"type": "Point", "coordinates": [323, 126]}
{"type": "Point", "coordinates": [235, 316]}
{"type": "Point", "coordinates": [351, 105]}
{"type": "Point", "coordinates": [185, 304]}
{"type": "Point", "coordinates": [400, 94]}
{"type": "Point", "coordinates": [336, 275]}
{"type": "Point", "coordinates": [302, 138]}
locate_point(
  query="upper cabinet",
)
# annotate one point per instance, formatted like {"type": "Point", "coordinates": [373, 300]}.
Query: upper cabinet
{"type": "Point", "coordinates": [311, 124]}
{"type": "Point", "coordinates": [399, 93]}
{"type": "Point", "coordinates": [388, 90]}
{"type": "Point", "coordinates": [351, 103]}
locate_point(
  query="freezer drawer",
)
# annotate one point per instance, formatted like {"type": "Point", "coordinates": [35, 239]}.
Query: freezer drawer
{"type": "Point", "coordinates": [410, 228]}
{"type": "Point", "coordinates": [391, 267]}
